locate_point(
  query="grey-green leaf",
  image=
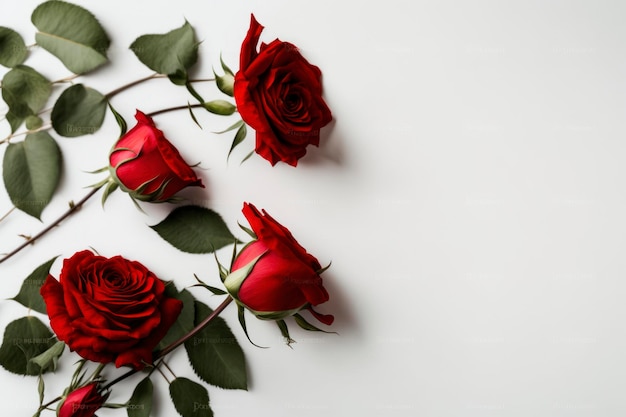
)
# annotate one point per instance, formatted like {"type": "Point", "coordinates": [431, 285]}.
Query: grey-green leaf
{"type": "Point", "coordinates": [31, 172]}
{"type": "Point", "coordinates": [215, 354]}
{"type": "Point", "coordinates": [221, 107]}
{"type": "Point", "coordinates": [79, 111]}
{"type": "Point", "coordinates": [29, 295]}
{"type": "Point", "coordinates": [190, 398]}
{"type": "Point", "coordinates": [241, 134]}
{"type": "Point", "coordinates": [184, 323]}
{"type": "Point", "coordinates": [13, 50]}
{"type": "Point", "coordinates": [194, 229]}
{"type": "Point", "coordinates": [140, 403]}
{"type": "Point", "coordinates": [24, 339]}
{"type": "Point", "coordinates": [25, 91]}
{"type": "Point", "coordinates": [72, 34]}
{"type": "Point", "coordinates": [172, 53]}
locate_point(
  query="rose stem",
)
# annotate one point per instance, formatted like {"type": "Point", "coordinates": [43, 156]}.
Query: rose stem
{"type": "Point", "coordinates": [71, 210]}
{"type": "Point", "coordinates": [154, 113]}
{"type": "Point", "coordinates": [134, 83]}
{"type": "Point", "coordinates": [7, 214]}
{"type": "Point", "coordinates": [179, 342]}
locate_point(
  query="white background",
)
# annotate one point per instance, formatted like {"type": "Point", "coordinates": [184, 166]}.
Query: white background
{"type": "Point", "coordinates": [470, 195]}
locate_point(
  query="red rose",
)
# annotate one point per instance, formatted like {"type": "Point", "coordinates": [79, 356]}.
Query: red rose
{"type": "Point", "coordinates": [82, 402]}
{"type": "Point", "coordinates": [109, 309]}
{"type": "Point", "coordinates": [284, 280]}
{"type": "Point", "coordinates": [146, 165]}
{"type": "Point", "coordinates": [279, 94]}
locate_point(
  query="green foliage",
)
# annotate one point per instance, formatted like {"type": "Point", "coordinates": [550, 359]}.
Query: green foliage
{"type": "Point", "coordinates": [13, 51]}
{"type": "Point", "coordinates": [25, 91]}
{"type": "Point", "coordinates": [185, 322]}
{"type": "Point", "coordinates": [172, 53]}
{"type": "Point", "coordinates": [241, 134]}
{"type": "Point", "coordinates": [25, 339]}
{"type": "Point", "coordinates": [190, 398]}
{"type": "Point", "coordinates": [29, 295]}
{"type": "Point", "coordinates": [215, 354]}
{"type": "Point", "coordinates": [72, 34]}
{"type": "Point", "coordinates": [49, 360]}
{"type": "Point", "coordinates": [79, 111]}
{"type": "Point", "coordinates": [31, 172]}
{"type": "Point", "coordinates": [140, 403]}
{"type": "Point", "coordinates": [221, 107]}
{"type": "Point", "coordinates": [195, 229]}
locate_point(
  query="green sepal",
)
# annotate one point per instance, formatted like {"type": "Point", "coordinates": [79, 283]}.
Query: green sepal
{"type": "Point", "coordinates": [215, 291]}
{"type": "Point", "coordinates": [225, 83]}
{"type": "Point", "coordinates": [49, 360]}
{"type": "Point", "coordinates": [321, 271]}
{"type": "Point", "coordinates": [241, 134]}
{"type": "Point", "coordinates": [241, 314]}
{"type": "Point", "coordinates": [234, 126]}
{"type": "Point", "coordinates": [111, 186]}
{"type": "Point", "coordinates": [121, 122]}
{"type": "Point", "coordinates": [300, 321]}
{"type": "Point", "coordinates": [284, 330]}
{"type": "Point", "coordinates": [246, 157]}
{"type": "Point", "coordinates": [193, 116]}
{"type": "Point", "coordinates": [235, 279]}
{"type": "Point", "coordinates": [220, 107]}
{"type": "Point", "coordinates": [193, 92]}
{"type": "Point", "coordinates": [248, 231]}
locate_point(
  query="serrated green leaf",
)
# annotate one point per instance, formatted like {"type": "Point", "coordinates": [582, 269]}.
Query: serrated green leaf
{"type": "Point", "coordinates": [72, 34]}
{"type": "Point", "coordinates": [29, 295]}
{"type": "Point", "coordinates": [215, 354]}
{"type": "Point", "coordinates": [140, 403]}
{"type": "Point", "coordinates": [221, 107]}
{"type": "Point", "coordinates": [172, 53]}
{"type": "Point", "coordinates": [23, 340]}
{"type": "Point", "coordinates": [25, 91]}
{"type": "Point", "coordinates": [79, 111]}
{"type": "Point", "coordinates": [13, 50]}
{"type": "Point", "coordinates": [194, 229]}
{"type": "Point", "coordinates": [241, 134]}
{"type": "Point", "coordinates": [185, 321]}
{"type": "Point", "coordinates": [31, 172]}
{"type": "Point", "coordinates": [48, 360]}
{"type": "Point", "coordinates": [190, 398]}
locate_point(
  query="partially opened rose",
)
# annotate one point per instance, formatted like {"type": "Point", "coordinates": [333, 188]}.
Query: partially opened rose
{"type": "Point", "coordinates": [279, 94]}
{"type": "Point", "coordinates": [83, 401]}
{"type": "Point", "coordinates": [109, 309]}
{"type": "Point", "coordinates": [147, 166]}
{"type": "Point", "coordinates": [273, 276]}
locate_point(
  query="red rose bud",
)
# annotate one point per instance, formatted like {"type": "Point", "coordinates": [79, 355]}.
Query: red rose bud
{"type": "Point", "coordinates": [83, 402]}
{"type": "Point", "coordinates": [109, 309]}
{"type": "Point", "coordinates": [274, 277]}
{"type": "Point", "coordinates": [147, 166]}
{"type": "Point", "coordinates": [279, 94]}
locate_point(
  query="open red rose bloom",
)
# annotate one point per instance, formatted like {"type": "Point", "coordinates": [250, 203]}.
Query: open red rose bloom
{"type": "Point", "coordinates": [109, 309]}
{"type": "Point", "coordinates": [285, 278]}
{"type": "Point", "coordinates": [279, 94]}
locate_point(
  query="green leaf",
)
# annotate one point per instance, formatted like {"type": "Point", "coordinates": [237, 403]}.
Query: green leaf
{"type": "Point", "coordinates": [29, 293]}
{"type": "Point", "coordinates": [215, 354]}
{"type": "Point", "coordinates": [25, 91]}
{"type": "Point", "coordinates": [172, 53]}
{"type": "Point", "coordinates": [190, 398]}
{"type": "Point", "coordinates": [79, 111]}
{"type": "Point", "coordinates": [140, 403]}
{"type": "Point", "coordinates": [72, 34]}
{"type": "Point", "coordinates": [25, 339]}
{"type": "Point", "coordinates": [13, 50]}
{"type": "Point", "coordinates": [185, 321]}
{"type": "Point", "coordinates": [241, 134]}
{"type": "Point", "coordinates": [33, 122]}
{"type": "Point", "coordinates": [221, 107]}
{"type": "Point", "coordinates": [31, 172]}
{"type": "Point", "coordinates": [48, 361]}
{"type": "Point", "coordinates": [194, 229]}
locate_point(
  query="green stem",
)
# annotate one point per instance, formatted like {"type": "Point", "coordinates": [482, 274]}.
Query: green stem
{"type": "Point", "coordinates": [52, 225]}
{"type": "Point", "coordinates": [132, 84]}
{"type": "Point", "coordinates": [170, 109]}
{"type": "Point", "coordinates": [7, 214]}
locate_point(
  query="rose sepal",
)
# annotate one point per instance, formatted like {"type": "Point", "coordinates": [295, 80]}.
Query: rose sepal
{"type": "Point", "coordinates": [235, 279]}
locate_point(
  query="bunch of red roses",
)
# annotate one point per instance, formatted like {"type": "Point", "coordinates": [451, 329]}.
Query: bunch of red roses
{"type": "Point", "coordinates": [114, 310]}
